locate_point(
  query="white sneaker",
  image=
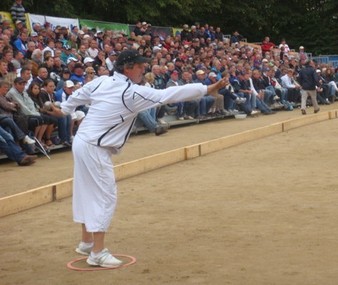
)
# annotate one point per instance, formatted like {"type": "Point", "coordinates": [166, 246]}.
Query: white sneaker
{"type": "Point", "coordinates": [28, 140]}
{"type": "Point", "coordinates": [103, 259]}
{"type": "Point", "coordinates": [161, 121]}
{"type": "Point", "coordinates": [84, 248]}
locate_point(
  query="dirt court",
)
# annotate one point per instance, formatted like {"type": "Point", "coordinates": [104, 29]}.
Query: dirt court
{"type": "Point", "coordinates": [264, 212]}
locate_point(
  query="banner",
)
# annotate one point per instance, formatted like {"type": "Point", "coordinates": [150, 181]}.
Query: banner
{"type": "Point", "coordinates": [6, 16]}
{"type": "Point", "coordinates": [52, 21]}
{"type": "Point", "coordinates": [103, 26]}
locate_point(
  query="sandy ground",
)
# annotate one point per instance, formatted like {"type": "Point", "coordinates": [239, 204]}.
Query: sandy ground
{"type": "Point", "coordinates": [263, 212]}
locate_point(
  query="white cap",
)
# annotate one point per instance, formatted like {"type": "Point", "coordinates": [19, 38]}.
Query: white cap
{"type": "Point", "coordinates": [88, 59]}
{"type": "Point", "coordinates": [70, 59]}
{"type": "Point", "coordinates": [69, 84]}
{"type": "Point", "coordinates": [301, 47]}
{"type": "Point", "coordinates": [212, 74]}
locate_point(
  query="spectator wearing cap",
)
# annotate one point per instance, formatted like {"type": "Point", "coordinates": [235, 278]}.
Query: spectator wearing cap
{"type": "Point", "coordinates": [18, 12]}
{"type": "Point", "coordinates": [186, 34]}
{"type": "Point", "coordinates": [66, 53]}
{"type": "Point", "coordinates": [66, 124]}
{"type": "Point", "coordinates": [64, 76]}
{"type": "Point", "coordinates": [88, 61]}
{"type": "Point", "coordinates": [207, 100]}
{"type": "Point", "coordinates": [7, 109]}
{"type": "Point", "coordinates": [71, 61]}
{"type": "Point", "coordinates": [302, 55]}
{"type": "Point", "coordinates": [99, 39]}
{"type": "Point", "coordinates": [174, 81]}
{"type": "Point", "coordinates": [78, 73]}
{"type": "Point", "coordinates": [217, 107]}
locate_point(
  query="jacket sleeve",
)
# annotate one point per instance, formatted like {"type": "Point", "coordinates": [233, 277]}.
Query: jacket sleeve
{"type": "Point", "coordinates": [145, 97]}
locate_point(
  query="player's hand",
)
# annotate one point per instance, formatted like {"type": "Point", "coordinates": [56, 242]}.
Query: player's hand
{"type": "Point", "coordinates": [216, 86]}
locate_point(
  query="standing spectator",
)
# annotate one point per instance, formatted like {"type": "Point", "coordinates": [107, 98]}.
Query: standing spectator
{"type": "Point", "coordinates": [309, 79]}
{"type": "Point", "coordinates": [18, 11]}
{"type": "Point", "coordinates": [218, 34]}
{"type": "Point", "coordinates": [236, 37]}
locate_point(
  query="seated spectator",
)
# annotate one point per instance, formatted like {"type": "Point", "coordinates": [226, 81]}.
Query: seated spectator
{"type": "Point", "coordinates": [268, 95]}
{"type": "Point", "coordinates": [45, 99]}
{"type": "Point", "coordinates": [78, 73]}
{"type": "Point", "coordinates": [232, 97]}
{"type": "Point", "coordinates": [174, 81]}
{"type": "Point", "coordinates": [7, 109]}
{"type": "Point", "coordinates": [266, 45]}
{"type": "Point", "coordinates": [207, 100]}
{"type": "Point", "coordinates": [321, 93]}
{"type": "Point", "coordinates": [26, 109]}
{"type": "Point", "coordinates": [287, 81]}
{"type": "Point", "coordinates": [13, 151]}
{"type": "Point", "coordinates": [191, 107]}
{"type": "Point", "coordinates": [218, 106]}
{"type": "Point", "coordinates": [42, 76]}
{"type": "Point", "coordinates": [282, 92]}
{"type": "Point", "coordinates": [329, 81]}
{"type": "Point", "coordinates": [89, 74]}
{"type": "Point", "coordinates": [67, 123]}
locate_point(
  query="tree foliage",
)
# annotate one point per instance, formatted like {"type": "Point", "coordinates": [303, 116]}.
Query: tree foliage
{"type": "Point", "coordinates": [312, 23]}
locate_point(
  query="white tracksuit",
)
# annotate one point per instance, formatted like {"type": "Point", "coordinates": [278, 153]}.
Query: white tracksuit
{"type": "Point", "coordinates": [114, 104]}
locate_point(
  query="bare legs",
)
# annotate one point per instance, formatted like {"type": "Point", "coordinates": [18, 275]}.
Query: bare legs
{"type": "Point", "coordinates": [97, 238]}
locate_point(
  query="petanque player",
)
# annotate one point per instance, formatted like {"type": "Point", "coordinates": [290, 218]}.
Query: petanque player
{"type": "Point", "coordinates": [114, 104]}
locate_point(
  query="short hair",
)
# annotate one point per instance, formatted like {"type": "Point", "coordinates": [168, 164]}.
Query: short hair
{"type": "Point", "coordinates": [4, 83]}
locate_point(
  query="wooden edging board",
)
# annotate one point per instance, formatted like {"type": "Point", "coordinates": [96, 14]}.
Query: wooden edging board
{"type": "Point", "coordinates": [63, 189]}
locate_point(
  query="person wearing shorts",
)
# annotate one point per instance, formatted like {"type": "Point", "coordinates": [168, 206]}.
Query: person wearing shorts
{"type": "Point", "coordinates": [114, 104]}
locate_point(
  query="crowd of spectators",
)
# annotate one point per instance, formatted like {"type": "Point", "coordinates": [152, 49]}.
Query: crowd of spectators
{"type": "Point", "coordinates": [45, 65]}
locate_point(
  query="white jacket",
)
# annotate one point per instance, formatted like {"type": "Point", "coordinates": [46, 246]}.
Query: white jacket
{"type": "Point", "coordinates": [114, 104]}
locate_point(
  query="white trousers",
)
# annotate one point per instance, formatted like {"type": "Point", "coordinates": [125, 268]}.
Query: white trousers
{"type": "Point", "coordinates": [94, 186]}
